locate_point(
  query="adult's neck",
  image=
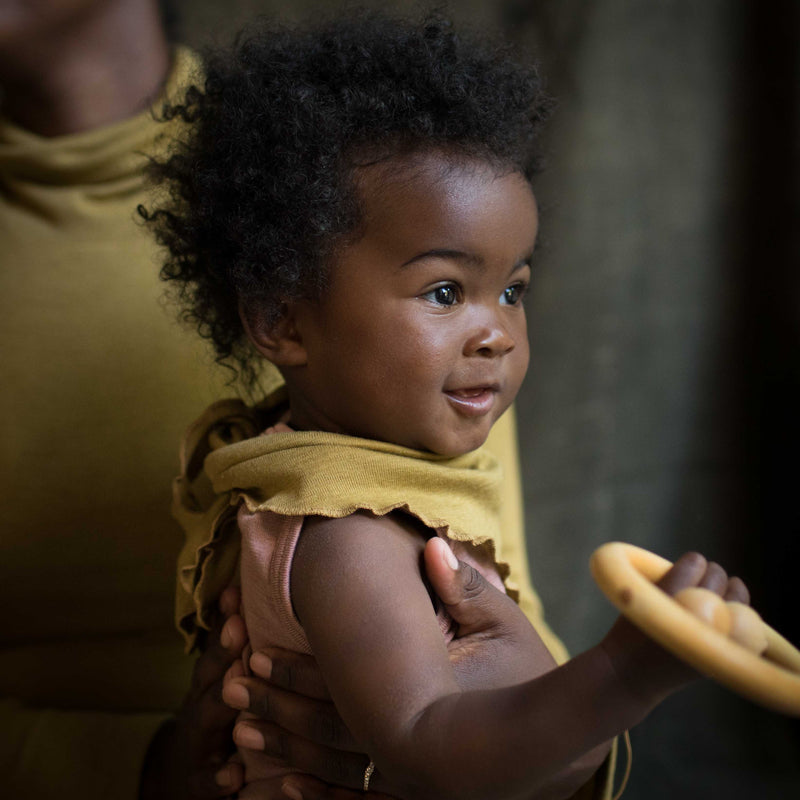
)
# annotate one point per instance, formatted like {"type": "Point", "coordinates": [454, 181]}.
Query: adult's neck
{"type": "Point", "coordinates": [102, 66]}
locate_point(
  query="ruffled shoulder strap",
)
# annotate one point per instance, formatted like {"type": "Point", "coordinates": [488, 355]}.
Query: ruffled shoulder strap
{"type": "Point", "coordinates": [304, 473]}
{"type": "Point", "coordinates": [208, 517]}
{"type": "Point", "coordinates": [224, 462]}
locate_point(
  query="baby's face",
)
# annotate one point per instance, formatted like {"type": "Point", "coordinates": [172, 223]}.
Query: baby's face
{"type": "Point", "coordinates": [421, 337]}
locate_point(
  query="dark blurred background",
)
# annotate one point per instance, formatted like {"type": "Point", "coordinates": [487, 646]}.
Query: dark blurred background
{"type": "Point", "coordinates": [661, 405]}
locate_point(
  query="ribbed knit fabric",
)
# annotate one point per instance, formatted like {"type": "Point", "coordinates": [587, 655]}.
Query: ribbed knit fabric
{"type": "Point", "coordinates": [242, 496]}
{"type": "Point", "coordinates": [98, 383]}
{"type": "Point", "coordinates": [225, 462]}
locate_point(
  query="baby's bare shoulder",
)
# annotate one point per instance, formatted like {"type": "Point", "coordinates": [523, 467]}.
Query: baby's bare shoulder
{"type": "Point", "coordinates": [365, 535]}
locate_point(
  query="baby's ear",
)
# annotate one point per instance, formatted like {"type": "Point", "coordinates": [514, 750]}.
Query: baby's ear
{"type": "Point", "coordinates": [278, 341]}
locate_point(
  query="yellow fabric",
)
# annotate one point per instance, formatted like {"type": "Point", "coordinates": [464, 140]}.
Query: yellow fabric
{"type": "Point", "coordinates": [225, 462]}
{"type": "Point", "coordinates": [98, 384]}
{"type": "Point", "coordinates": [313, 472]}
{"type": "Point", "coordinates": [502, 443]}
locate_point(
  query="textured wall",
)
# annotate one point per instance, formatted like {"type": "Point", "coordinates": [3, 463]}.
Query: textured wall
{"type": "Point", "coordinates": [649, 408]}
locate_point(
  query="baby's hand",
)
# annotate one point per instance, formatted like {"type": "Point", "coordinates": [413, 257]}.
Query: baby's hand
{"type": "Point", "coordinates": [646, 669]}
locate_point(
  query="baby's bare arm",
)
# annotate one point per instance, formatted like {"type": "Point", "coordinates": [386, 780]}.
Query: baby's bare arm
{"type": "Point", "coordinates": [379, 647]}
{"type": "Point", "coordinates": [296, 721]}
{"type": "Point", "coordinates": [489, 630]}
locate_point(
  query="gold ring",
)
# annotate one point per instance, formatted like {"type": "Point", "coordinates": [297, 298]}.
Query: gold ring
{"type": "Point", "coordinates": [368, 774]}
{"type": "Point", "coordinates": [627, 576]}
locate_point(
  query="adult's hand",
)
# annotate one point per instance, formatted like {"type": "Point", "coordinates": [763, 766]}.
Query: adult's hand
{"type": "Point", "coordinates": [494, 645]}
{"type": "Point", "coordinates": [189, 756]}
{"type": "Point", "coordinates": [298, 723]}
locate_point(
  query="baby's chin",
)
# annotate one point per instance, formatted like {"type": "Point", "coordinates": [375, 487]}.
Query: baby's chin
{"type": "Point", "coordinates": [450, 444]}
{"type": "Point", "coordinates": [457, 446]}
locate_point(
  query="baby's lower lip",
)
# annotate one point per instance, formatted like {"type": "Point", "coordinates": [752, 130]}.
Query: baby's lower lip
{"type": "Point", "coordinates": [472, 402]}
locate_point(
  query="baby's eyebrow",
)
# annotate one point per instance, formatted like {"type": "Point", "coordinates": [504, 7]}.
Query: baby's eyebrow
{"type": "Point", "coordinates": [469, 259]}
{"type": "Point", "coordinates": [525, 260]}
{"type": "Point", "coordinates": [528, 257]}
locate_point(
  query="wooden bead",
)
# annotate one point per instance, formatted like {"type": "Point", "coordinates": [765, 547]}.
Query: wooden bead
{"type": "Point", "coordinates": [706, 605]}
{"type": "Point", "coordinates": [628, 576]}
{"type": "Point", "coordinates": [747, 628]}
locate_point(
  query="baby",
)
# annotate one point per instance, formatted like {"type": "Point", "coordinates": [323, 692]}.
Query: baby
{"type": "Point", "coordinates": [353, 203]}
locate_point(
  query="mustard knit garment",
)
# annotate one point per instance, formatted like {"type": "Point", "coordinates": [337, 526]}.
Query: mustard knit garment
{"type": "Point", "coordinates": [313, 473]}
{"type": "Point", "coordinates": [225, 462]}
{"type": "Point", "coordinates": [98, 384]}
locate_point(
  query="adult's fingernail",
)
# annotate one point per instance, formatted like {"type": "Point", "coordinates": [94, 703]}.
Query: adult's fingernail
{"type": "Point", "coordinates": [246, 736]}
{"type": "Point", "coordinates": [229, 601]}
{"type": "Point", "coordinates": [223, 778]}
{"type": "Point", "coordinates": [291, 790]}
{"type": "Point", "coordinates": [452, 561]}
{"type": "Point", "coordinates": [261, 664]}
{"type": "Point", "coordinates": [236, 695]}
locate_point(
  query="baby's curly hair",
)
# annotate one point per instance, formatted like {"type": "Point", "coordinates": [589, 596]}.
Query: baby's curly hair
{"type": "Point", "coordinates": [261, 189]}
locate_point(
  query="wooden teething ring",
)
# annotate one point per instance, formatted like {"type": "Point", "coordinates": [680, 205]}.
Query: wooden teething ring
{"type": "Point", "coordinates": [627, 575]}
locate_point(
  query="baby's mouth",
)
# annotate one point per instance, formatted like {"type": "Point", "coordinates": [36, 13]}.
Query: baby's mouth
{"type": "Point", "coordinates": [472, 400]}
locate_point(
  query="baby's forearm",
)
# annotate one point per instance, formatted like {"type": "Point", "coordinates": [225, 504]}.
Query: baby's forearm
{"type": "Point", "coordinates": [396, 690]}
{"type": "Point", "coordinates": [515, 743]}
{"type": "Point", "coordinates": [565, 783]}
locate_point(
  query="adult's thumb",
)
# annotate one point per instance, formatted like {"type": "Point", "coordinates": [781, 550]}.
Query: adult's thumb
{"type": "Point", "coordinates": [473, 602]}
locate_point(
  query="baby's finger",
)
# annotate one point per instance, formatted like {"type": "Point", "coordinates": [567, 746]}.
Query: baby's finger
{"type": "Point", "coordinates": [737, 592]}
{"type": "Point", "coordinates": [687, 571]}
{"type": "Point", "coordinates": [343, 769]}
{"type": "Point", "coordinates": [309, 718]}
{"type": "Point", "coordinates": [295, 672]}
{"type": "Point", "coordinates": [715, 579]}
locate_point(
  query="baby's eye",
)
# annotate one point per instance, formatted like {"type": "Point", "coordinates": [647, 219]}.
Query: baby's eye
{"type": "Point", "coordinates": [512, 295]}
{"type": "Point", "coordinates": [444, 295]}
